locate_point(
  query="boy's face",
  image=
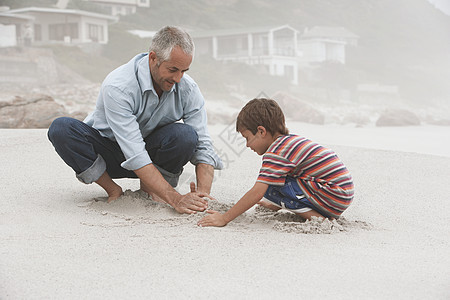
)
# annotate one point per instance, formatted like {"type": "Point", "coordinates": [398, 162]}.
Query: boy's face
{"type": "Point", "coordinates": [258, 142]}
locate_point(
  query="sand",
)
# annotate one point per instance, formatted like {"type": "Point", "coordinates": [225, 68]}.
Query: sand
{"type": "Point", "coordinates": [58, 242]}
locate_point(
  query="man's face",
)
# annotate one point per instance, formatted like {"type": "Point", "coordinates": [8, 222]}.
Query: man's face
{"type": "Point", "coordinates": [170, 71]}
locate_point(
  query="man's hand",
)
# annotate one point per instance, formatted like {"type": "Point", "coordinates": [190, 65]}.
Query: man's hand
{"type": "Point", "coordinates": [214, 219]}
{"type": "Point", "coordinates": [153, 182]}
{"type": "Point", "coordinates": [193, 187]}
{"type": "Point", "coordinates": [191, 203]}
{"type": "Point", "coordinates": [205, 176]}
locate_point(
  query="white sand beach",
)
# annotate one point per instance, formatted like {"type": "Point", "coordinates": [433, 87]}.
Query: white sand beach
{"type": "Point", "coordinates": [56, 242]}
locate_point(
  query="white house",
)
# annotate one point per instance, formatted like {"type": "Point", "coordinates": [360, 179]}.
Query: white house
{"type": "Point", "coordinates": [53, 25]}
{"type": "Point", "coordinates": [319, 44]}
{"type": "Point", "coordinates": [321, 50]}
{"type": "Point", "coordinates": [339, 34]}
{"type": "Point", "coordinates": [15, 29]}
{"type": "Point", "coordinates": [121, 7]}
{"type": "Point", "coordinates": [273, 47]}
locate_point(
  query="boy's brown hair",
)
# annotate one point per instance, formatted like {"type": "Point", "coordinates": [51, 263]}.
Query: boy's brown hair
{"type": "Point", "coordinates": [261, 112]}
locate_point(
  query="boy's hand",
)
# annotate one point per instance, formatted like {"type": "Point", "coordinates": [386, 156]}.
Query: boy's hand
{"type": "Point", "coordinates": [214, 219]}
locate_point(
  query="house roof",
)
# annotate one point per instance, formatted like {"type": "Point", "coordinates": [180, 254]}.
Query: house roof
{"type": "Point", "coordinates": [328, 32]}
{"type": "Point", "coordinates": [310, 41]}
{"type": "Point", "coordinates": [143, 33]}
{"type": "Point", "coordinates": [238, 31]}
{"type": "Point", "coordinates": [7, 16]}
{"type": "Point", "coordinates": [61, 11]}
{"type": "Point", "coordinates": [117, 2]}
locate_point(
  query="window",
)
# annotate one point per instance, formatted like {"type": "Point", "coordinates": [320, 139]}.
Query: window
{"type": "Point", "coordinates": [234, 45]}
{"type": "Point", "coordinates": [260, 44]}
{"type": "Point", "coordinates": [96, 32]}
{"type": "Point", "coordinates": [57, 32]}
{"type": "Point", "coordinates": [37, 32]}
{"type": "Point", "coordinates": [144, 3]}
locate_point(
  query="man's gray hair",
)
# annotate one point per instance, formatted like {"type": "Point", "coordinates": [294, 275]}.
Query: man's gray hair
{"type": "Point", "coordinates": [169, 37]}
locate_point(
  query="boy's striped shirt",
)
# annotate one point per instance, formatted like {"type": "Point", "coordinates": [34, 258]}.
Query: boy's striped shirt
{"type": "Point", "coordinates": [320, 174]}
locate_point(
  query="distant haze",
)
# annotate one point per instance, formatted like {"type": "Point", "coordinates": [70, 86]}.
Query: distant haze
{"type": "Point", "coordinates": [443, 5]}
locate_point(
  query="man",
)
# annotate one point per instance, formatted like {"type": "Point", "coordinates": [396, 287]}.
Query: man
{"type": "Point", "coordinates": [134, 131]}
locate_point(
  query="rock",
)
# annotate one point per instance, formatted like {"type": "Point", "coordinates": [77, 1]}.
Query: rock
{"type": "Point", "coordinates": [440, 122]}
{"type": "Point", "coordinates": [437, 121]}
{"type": "Point", "coordinates": [79, 115]}
{"type": "Point", "coordinates": [298, 110]}
{"type": "Point", "coordinates": [37, 111]}
{"type": "Point", "coordinates": [398, 117]}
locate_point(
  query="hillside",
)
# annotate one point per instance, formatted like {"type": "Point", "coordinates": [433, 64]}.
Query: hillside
{"type": "Point", "coordinates": [403, 42]}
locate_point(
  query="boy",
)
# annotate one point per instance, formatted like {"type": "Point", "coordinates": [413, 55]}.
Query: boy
{"type": "Point", "coordinates": [296, 174]}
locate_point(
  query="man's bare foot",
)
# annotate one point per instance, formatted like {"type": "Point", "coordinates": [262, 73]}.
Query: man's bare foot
{"type": "Point", "coordinates": [113, 195]}
{"type": "Point", "coordinates": [113, 190]}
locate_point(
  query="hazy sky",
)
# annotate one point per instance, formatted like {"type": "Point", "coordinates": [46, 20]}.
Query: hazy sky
{"type": "Point", "coordinates": [443, 5]}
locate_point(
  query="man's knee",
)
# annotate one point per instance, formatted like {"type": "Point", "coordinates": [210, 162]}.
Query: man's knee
{"type": "Point", "coordinates": [58, 129]}
{"type": "Point", "coordinates": [187, 135]}
{"type": "Point", "coordinates": [179, 137]}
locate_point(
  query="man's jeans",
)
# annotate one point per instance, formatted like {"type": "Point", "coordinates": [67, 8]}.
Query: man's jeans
{"type": "Point", "coordinates": [89, 154]}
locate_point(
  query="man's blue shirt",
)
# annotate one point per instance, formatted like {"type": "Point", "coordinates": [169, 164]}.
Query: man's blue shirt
{"type": "Point", "coordinates": [128, 109]}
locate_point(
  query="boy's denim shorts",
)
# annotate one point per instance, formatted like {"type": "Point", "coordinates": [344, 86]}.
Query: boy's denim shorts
{"type": "Point", "coordinates": [288, 196]}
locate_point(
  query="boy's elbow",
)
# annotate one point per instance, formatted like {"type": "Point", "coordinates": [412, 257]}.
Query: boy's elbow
{"type": "Point", "coordinates": [259, 190]}
{"type": "Point", "coordinates": [260, 195]}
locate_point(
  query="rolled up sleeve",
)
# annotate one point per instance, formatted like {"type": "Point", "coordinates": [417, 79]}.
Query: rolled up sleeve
{"type": "Point", "coordinates": [195, 116]}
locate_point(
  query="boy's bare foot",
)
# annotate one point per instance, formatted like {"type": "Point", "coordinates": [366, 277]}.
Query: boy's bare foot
{"type": "Point", "coordinates": [269, 205]}
{"type": "Point", "coordinates": [312, 213]}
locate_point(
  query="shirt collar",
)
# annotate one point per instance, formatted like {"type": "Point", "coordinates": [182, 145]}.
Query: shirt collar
{"type": "Point", "coordinates": [145, 77]}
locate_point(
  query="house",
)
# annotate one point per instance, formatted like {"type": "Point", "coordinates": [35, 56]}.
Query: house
{"type": "Point", "coordinates": [320, 44]}
{"type": "Point", "coordinates": [121, 7]}
{"type": "Point", "coordinates": [15, 29]}
{"type": "Point", "coordinates": [275, 48]}
{"type": "Point", "coordinates": [321, 50]}
{"type": "Point", "coordinates": [339, 34]}
{"type": "Point", "coordinates": [53, 25]}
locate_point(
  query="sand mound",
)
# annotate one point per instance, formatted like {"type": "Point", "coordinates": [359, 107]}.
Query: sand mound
{"type": "Point", "coordinates": [286, 221]}
{"type": "Point", "coordinates": [130, 204]}
{"type": "Point", "coordinates": [321, 226]}
{"type": "Point", "coordinates": [132, 208]}
{"type": "Point", "coordinates": [137, 207]}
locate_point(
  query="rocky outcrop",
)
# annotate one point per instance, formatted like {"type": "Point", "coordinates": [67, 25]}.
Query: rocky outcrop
{"type": "Point", "coordinates": [437, 120]}
{"type": "Point", "coordinates": [398, 117]}
{"type": "Point", "coordinates": [36, 111]}
{"type": "Point", "coordinates": [34, 66]}
{"type": "Point", "coordinates": [298, 110]}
